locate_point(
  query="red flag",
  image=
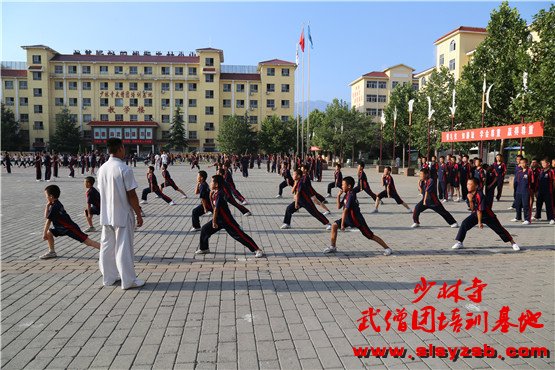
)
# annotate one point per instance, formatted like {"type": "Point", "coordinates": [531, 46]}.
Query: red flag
{"type": "Point", "coordinates": [301, 40]}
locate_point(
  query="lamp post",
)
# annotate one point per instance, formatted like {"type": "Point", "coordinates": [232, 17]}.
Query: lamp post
{"type": "Point", "coordinates": [430, 113]}
{"type": "Point", "coordinates": [411, 103]}
{"type": "Point", "coordinates": [382, 119]}
{"type": "Point", "coordinates": [485, 101]}
{"type": "Point", "coordinates": [452, 108]}
{"type": "Point", "coordinates": [394, 126]}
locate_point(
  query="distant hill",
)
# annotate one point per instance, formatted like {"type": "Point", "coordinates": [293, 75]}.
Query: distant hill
{"type": "Point", "coordinates": [314, 104]}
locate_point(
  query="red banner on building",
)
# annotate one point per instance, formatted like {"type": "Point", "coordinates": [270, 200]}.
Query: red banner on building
{"type": "Point", "coordinates": [523, 130]}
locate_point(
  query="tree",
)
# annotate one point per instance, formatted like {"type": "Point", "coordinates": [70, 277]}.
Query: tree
{"type": "Point", "coordinates": [67, 138]}
{"type": "Point", "coordinates": [277, 136]}
{"type": "Point", "coordinates": [177, 131]}
{"type": "Point", "coordinates": [11, 136]}
{"type": "Point", "coordinates": [399, 99]}
{"type": "Point", "coordinates": [236, 137]}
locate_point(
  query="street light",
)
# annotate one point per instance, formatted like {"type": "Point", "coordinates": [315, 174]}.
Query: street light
{"type": "Point", "coordinates": [411, 103]}
{"type": "Point", "coordinates": [452, 108]}
{"type": "Point", "coordinates": [430, 113]}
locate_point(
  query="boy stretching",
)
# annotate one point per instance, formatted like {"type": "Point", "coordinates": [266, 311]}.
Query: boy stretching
{"type": "Point", "coordinates": [154, 188]}
{"type": "Point", "coordinates": [390, 191]}
{"type": "Point", "coordinates": [93, 202]}
{"type": "Point", "coordinates": [168, 181]}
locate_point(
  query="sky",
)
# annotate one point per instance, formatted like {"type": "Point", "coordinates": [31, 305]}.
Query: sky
{"type": "Point", "coordinates": [350, 39]}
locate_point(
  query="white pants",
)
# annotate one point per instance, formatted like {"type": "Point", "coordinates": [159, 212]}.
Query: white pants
{"type": "Point", "coordinates": [117, 254]}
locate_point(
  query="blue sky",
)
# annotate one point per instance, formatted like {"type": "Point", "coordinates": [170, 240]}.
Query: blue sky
{"type": "Point", "coordinates": [350, 39]}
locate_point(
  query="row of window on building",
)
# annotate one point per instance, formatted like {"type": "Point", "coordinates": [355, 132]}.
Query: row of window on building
{"type": "Point", "coordinates": [370, 84]}
{"type": "Point", "coordinates": [451, 62]}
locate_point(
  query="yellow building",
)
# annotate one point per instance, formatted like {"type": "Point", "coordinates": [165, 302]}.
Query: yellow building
{"type": "Point", "coordinates": [370, 92]}
{"type": "Point", "coordinates": [134, 96]}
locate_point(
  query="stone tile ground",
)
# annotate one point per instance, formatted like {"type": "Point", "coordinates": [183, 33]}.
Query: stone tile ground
{"type": "Point", "coordinates": [297, 308]}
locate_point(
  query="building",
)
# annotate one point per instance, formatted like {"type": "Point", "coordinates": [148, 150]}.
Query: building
{"type": "Point", "coordinates": [134, 96]}
{"type": "Point", "coordinates": [370, 92]}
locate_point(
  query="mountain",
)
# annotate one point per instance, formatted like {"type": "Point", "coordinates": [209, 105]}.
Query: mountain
{"type": "Point", "coordinates": [314, 104]}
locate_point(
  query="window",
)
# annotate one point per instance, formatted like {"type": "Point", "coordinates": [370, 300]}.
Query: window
{"type": "Point", "coordinates": [10, 101]}
{"type": "Point", "coordinates": [148, 102]}
{"type": "Point", "coordinates": [118, 86]}
{"type": "Point", "coordinates": [38, 125]}
{"type": "Point", "coordinates": [227, 87]}
{"type": "Point", "coordinates": [192, 86]}
{"type": "Point", "coordinates": [452, 45]}
{"type": "Point", "coordinates": [284, 118]}
{"type": "Point", "coordinates": [104, 117]}
{"type": "Point", "coordinates": [240, 88]}
{"type": "Point", "coordinates": [192, 135]}
{"type": "Point", "coordinates": [24, 102]}
{"type": "Point", "coordinates": [285, 72]}
{"type": "Point", "coordinates": [147, 70]}
{"type": "Point", "coordinates": [165, 86]}
{"type": "Point", "coordinates": [86, 85]}
{"type": "Point", "coordinates": [240, 104]}
{"type": "Point", "coordinates": [103, 70]}
{"type": "Point", "coordinates": [103, 102]}
{"type": "Point", "coordinates": [86, 70]}
{"type": "Point", "coordinates": [452, 65]}
{"type": "Point", "coordinates": [87, 118]}
{"type": "Point", "coordinates": [285, 88]}
{"type": "Point", "coordinates": [37, 92]}
{"type": "Point", "coordinates": [178, 102]}
{"type": "Point", "coordinates": [72, 85]}
{"type": "Point", "coordinates": [415, 86]}
{"type": "Point", "coordinates": [166, 70]}
{"type": "Point", "coordinates": [192, 118]}
{"type": "Point", "coordinates": [22, 85]}
{"type": "Point", "coordinates": [209, 111]}
{"type": "Point", "coordinates": [192, 71]}
{"type": "Point", "coordinates": [8, 85]}
{"type": "Point", "coordinates": [371, 84]}
{"type": "Point", "coordinates": [371, 111]}
{"type": "Point", "coordinates": [382, 85]}
{"type": "Point", "coordinates": [285, 103]}
{"type": "Point", "coordinates": [118, 102]}
{"type": "Point", "coordinates": [147, 86]}
{"type": "Point", "coordinates": [72, 70]}
{"type": "Point", "coordinates": [133, 86]}
{"type": "Point", "coordinates": [382, 98]}
{"type": "Point", "coordinates": [209, 78]}
{"type": "Point", "coordinates": [24, 117]}
{"type": "Point", "coordinates": [253, 120]}
{"type": "Point", "coordinates": [58, 69]}
{"type": "Point", "coordinates": [118, 70]}
{"type": "Point", "coordinates": [209, 126]}
{"type": "Point", "coordinates": [104, 86]}
{"type": "Point", "coordinates": [371, 98]}
{"type": "Point", "coordinates": [270, 103]}
{"type": "Point", "coordinates": [192, 103]}
{"type": "Point", "coordinates": [37, 108]}
{"type": "Point", "coordinates": [209, 94]}
{"type": "Point", "coordinates": [86, 102]}
{"type": "Point", "coordinates": [209, 62]}
{"type": "Point", "coordinates": [133, 102]}
{"type": "Point", "coordinates": [165, 102]}
{"type": "Point", "coordinates": [36, 59]}
{"type": "Point", "coordinates": [58, 102]}
{"type": "Point", "coordinates": [72, 102]}
{"type": "Point", "coordinates": [133, 70]}
{"type": "Point", "coordinates": [394, 84]}
{"type": "Point", "coordinates": [178, 71]}
{"type": "Point", "coordinates": [37, 76]}
{"type": "Point", "coordinates": [270, 87]}
{"type": "Point", "coordinates": [133, 117]}
{"type": "Point", "coordinates": [271, 72]}
{"type": "Point", "coordinates": [227, 103]}
{"type": "Point", "coordinates": [165, 118]}
{"type": "Point", "coordinates": [253, 104]}
{"type": "Point", "coordinates": [148, 117]}
{"type": "Point", "coordinates": [380, 112]}
{"type": "Point", "coordinates": [119, 117]}
{"type": "Point", "coordinates": [253, 89]}
{"type": "Point", "coordinates": [441, 59]}
{"type": "Point", "coordinates": [58, 85]}
{"type": "Point", "coordinates": [179, 86]}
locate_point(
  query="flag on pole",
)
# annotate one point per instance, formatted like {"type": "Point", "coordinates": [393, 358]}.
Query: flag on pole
{"type": "Point", "coordinates": [310, 38]}
{"type": "Point", "coordinates": [301, 40]}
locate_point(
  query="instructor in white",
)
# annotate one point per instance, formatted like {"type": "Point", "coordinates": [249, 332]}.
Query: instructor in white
{"type": "Point", "coordinates": [118, 201]}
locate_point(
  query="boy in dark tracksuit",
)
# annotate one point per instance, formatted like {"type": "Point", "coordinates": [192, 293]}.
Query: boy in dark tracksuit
{"type": "Point", "coordinates": [464, 175]}
{"type": "Point", "coordinates": [525, 188]}
{"type": "Point", "coordinates": [363, 182]}
{"type": "Point", "coordinates": [229, 179]}
{"type": "Point", "coordinates": [38, 167]}
{"type": "Point", "coordinates": [479, 173]}
{"type": "Point", "coordinates": [222, 219]}
{"type": "Point", "coordinates": [517, 169]}
{"type": "Point", "coordinates": [168, 181]}
{"type": "Point", "coordinates": [430, 201]}
{"type": "Point", "coordinates": [303, 199]}
{"type": "Point", "coordinates": [154, 188]}
{"type": "Point", "coordinates": [230, 198]}
{"type": "Point", "coordinates": [481, 214]}
{"type": "Point", "coordinates": [501, 169]}
{"type": "Point", "coordinates": [337, 179]}
{"type": "Point", "coordinates": [352, 217]}
{"type": "Point", "coordinates": [287, 179]}
{"type": "Point", "coordinates": [546, 184]}
{"type": "Point", "coordinates": [204, 207]}
{"type": "Point", "coordinates": [93, 202]}
{"type": "Point", "coordinates": [390, 191]}
{"type": "Point", "coordinates": [313, 193]}
{"type": "Point", "coordinates": [490, 184]}
{"type": "Point", "coordinates": [442, 174]}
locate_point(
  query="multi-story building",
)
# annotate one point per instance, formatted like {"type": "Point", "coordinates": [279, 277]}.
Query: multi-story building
{"type": "Point", "coordinates": [135, 96]}
{"type": "Point", "coordinates": [370, 92]}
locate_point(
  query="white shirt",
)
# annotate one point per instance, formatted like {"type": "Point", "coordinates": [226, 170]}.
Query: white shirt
{"type": "Point", "coordinates": [164, 158]}
{"type": "Point", "coordinates": [114, 180]}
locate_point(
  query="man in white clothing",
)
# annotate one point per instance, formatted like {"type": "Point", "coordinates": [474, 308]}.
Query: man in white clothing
{"type": "Point", "coordinates": [118, 201]}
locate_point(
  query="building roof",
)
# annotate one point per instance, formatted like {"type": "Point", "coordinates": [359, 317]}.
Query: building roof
{"type": "Point", "coordinates": [240, 76]}
{"type": "Point", "coordinates": [462, 29]}
{"type": "Point", "coordinates": [39, 47]}
{"type": "Point", "coordinates": [125, 58]}
{"type": "Point", "coordinates": [277, 62]}
{"type": "Point", "coordinates": [123, 123]}
{"type": "Point", "coordinates": [399, 65]}
{"type": "Point", "coordinates": [424, 72]}
{"type": "Point", "coordinates": [13, 72]}
{"type": "Point", "coordinates": [220, 51]}
{"type": "Point", "coordinates": [376, 74]}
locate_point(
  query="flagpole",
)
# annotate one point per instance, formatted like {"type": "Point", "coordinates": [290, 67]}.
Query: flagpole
{"type": "Point", "coordinates": [308, 98]}
{"type": "Point", "coordinates": [296, 105]}
{"type": "Point", "coordinates": [302, 106]}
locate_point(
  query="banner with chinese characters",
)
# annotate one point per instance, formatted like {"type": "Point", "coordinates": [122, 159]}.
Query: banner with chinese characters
{"type": "Point", "coordinates": [523, 130]}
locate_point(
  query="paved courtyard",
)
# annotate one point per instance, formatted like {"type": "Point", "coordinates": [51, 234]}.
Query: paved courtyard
{"type": "Point", "coordinates": [297, 308]}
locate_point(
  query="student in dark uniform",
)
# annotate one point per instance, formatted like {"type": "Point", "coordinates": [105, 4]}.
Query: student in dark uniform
{"type": "Point", "coordinates": [442, 174]}
{"type": "Point", "coordinates": [287, 179]}
{"type": "Point", "coordinates": [433, 166]}
{"type": "Point", "coordinates": [8, 162]}
{"type": "Point", "coordinates": [55, 164]}
{"type": "Point", "coordinates": [453, 180]}
{"type": "Point", "coordinates": [352, 217]}
{"type": "Point", "coordinates": [464, 174]}
{"type": "Point", "coordinates": [71, 165]}
{"type": "Point", "coordinates": [546, 184]}
{"type": "Point", "coordinates": [47, 162]}
{"type": "Point", "coordinates": [38, 167]}
{"type": "Point", "coordinates": [501, 169]}
{"type": "Point", "coordinates": [337, 179]}
{"type": "Point", "coordinates": [230, 198]}
{"type": "Point", "coordinates": [319, 168]}
{"type": "Point", "coordinates": [515, 184]}
{"type": "Point", "coordinates": [229, 179]}
{"type": "Point", "coordinates": [479, 173]}
{"type": "Point", "coordinates": [525, 187]}
{"type": "Point", "coordinates": [390, 191]}
{"type": "Point", "coordinates": [56, 215]}
{"type": "Point", "coordinates": [302, 200]}
{"type": "Point", "coordinates": [430, 201]}
{"type": "Point", "coordinates": [490, 183]}
{"type": "Point", "coordinates": [481, 214]}
{"type": "Point", "coordinates": [168, 181]}
{"type": "Point", "coordinates": [222, 219]}
{"type": "Point", "coordinates": [93, 202]}
{"type": "Point", "coordinates": [363, 182]}
{"type": "Point", "coordinates": [318, 198]}
{"type": "Point", "coordinates": [154, 188]}
{"type": "Point", "coordinates": [203, 191]}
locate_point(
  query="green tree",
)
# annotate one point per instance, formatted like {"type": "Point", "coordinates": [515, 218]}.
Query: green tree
{"type": "Point", "coordinates": [11, 136]}
{"type": "Point", "coordinates": [399, 99]}
{"type": "Point", "coordinates": [67, 138]}
{"type": "Point", "coordinates": [277, 136]}
{"type": "Point", "coordinates": [177, 131]}
{"type": "Point", "coordinates": [236, 137]}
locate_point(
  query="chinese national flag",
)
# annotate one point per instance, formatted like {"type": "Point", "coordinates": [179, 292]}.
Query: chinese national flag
{"type": "Point", "coordinates": [301, 40]}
